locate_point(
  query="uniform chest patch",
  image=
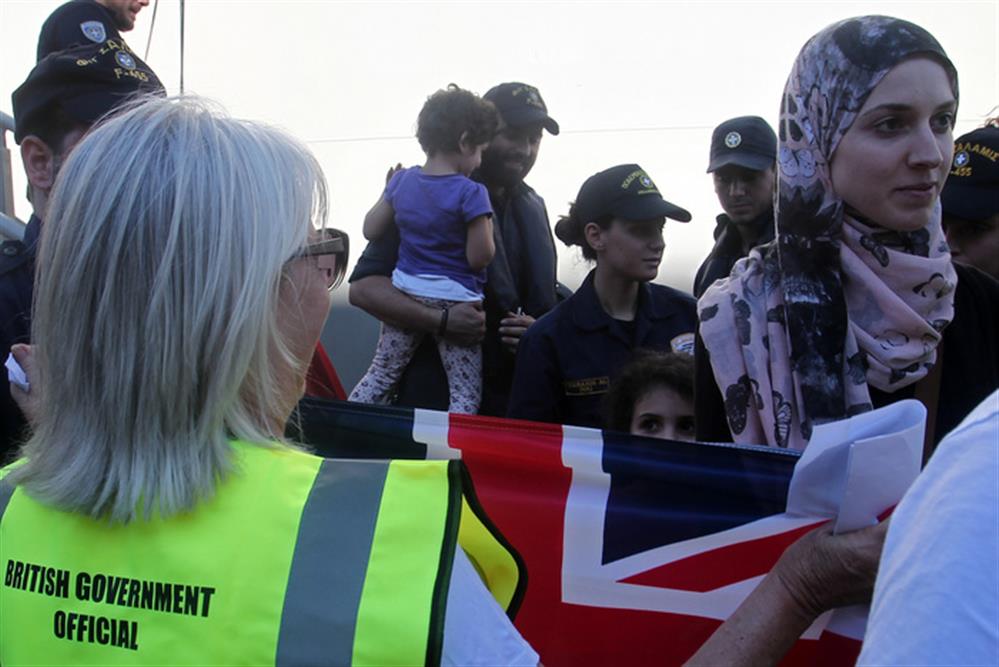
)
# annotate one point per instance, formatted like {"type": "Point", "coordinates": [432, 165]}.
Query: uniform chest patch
{"type": "Point", "coordinates": [125, 60]}
{"type": "Point", "coordinates": [586, 386]}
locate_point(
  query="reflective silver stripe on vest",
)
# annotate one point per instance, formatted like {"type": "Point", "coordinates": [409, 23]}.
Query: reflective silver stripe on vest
{"type": "Point", "coordinates": [6, 491]}
{"type": "Point", "coordinates": [329, 564]}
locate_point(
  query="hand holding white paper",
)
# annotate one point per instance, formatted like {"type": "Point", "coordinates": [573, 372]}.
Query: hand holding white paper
{"type": "Point", "coordinates": [852, 471]}
{"type": "Point", "coordinates": [16, 374]}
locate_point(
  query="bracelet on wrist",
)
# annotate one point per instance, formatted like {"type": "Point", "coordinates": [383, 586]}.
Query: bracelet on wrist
{"type": "Point", "coordinates": [442, 327]}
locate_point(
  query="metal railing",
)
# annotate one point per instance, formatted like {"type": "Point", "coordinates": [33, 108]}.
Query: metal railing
{"type": "Point", "coordinates": [10, 226]}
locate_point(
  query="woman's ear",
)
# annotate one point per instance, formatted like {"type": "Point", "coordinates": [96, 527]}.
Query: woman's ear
{"type": "Point", "coordinates": [593, 235]}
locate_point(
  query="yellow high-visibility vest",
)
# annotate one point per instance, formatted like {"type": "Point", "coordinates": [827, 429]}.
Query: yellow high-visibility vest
{"type": "Point", "coordinates": [296, 560]}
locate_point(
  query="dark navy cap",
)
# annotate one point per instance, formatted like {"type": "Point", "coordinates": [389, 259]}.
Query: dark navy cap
{"type": "Point", "coordinates": [972, 188]}
{"type": "Point", "coordinates": [85, 81]}
{"type": "Point", "coordinates": [626, 192]}
{"type": "Point", "coordinates": [520, 104]}
{"type": "Point", "coordinates": [746, 141]}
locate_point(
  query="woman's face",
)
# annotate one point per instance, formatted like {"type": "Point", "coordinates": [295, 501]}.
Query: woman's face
{"type": "Point", "coordinates": [304, 304]}
{"type": "Point", "coordinates": [663, 413]}
{"type": "Point", "coordinates": [631, 249]}
{"type": "Point", "coordinates": [892, 163]}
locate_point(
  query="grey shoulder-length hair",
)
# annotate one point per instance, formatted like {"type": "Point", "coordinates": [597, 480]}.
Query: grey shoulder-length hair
{"type": "Point", "coordinates": [155, 314]}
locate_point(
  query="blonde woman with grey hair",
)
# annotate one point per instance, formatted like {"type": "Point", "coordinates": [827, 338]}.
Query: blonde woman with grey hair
{"type": "Point", "coordinates": [157, 514]}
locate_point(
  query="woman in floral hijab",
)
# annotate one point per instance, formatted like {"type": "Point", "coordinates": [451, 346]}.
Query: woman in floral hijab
{"type": "Point", "coordinates": [854, 294]}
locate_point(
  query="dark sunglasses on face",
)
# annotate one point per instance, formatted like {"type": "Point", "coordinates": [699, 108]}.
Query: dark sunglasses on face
{"type": "Point", "coordinates": [331, 250]}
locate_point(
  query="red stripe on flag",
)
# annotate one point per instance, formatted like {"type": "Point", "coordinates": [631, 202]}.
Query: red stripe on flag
{"type": "Point", "coordinates": [520, 481]}
{"type": "Point", "coordinates": [723, 566]}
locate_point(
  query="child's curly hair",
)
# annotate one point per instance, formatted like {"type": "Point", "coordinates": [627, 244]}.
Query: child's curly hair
{"type": "Point", "coordinates": [647, 370]}
{"type": "Point", "coordinates": [450, 113]}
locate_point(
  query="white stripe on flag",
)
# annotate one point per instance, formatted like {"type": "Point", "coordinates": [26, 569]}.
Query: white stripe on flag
{"type": "Point", "coordinates": [430, 428]}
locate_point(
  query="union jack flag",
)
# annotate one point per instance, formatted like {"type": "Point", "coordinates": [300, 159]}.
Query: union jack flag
{"type": "Point", "coordinates": [635, 549]}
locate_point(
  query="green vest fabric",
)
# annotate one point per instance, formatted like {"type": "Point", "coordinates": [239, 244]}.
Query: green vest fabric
{"type": "Point", "coordinates": [296, 560]}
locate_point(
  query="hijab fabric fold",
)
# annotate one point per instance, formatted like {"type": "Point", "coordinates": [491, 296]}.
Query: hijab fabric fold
{"type": "Point", "coordinates": [805, 324]}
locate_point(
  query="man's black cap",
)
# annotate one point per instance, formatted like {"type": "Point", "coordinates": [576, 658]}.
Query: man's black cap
{"type": "Point", "coordinates": [972, 188]}
{"type": "Point", "coordinates": [520, 104]}
{"type": "Point", "coordinates": [627, 192]}
{"type": "Point", "coordinates": [746, 141]}
{"type": "Point", "coordinates": [85, 81]}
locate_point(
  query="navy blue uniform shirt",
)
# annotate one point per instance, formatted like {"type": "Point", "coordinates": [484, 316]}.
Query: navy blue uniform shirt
{"type": "Point", "coordinates": [728, 249]}
{"type": "Point", "coordinates": [75, 23]}
{"type": "Point", "coordinates": [568, 358]}
{"type": "Point", "coordinates": [17, 269]}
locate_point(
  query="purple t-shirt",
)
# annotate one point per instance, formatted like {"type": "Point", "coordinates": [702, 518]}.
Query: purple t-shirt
{"type": "Point", "coordinates": [432, 214]}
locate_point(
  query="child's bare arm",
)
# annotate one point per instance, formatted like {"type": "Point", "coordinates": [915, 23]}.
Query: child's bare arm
{"type": "Point", "coordinates": [378, 220]}
{"type": "Point", "coordinates": [479, 246]}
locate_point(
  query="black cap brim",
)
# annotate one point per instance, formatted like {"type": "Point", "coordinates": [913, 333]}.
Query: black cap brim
{"type": "Point", "coordinates": [741, 159]}
{"type": "Point", "coordinates": [528, 115]}
{"type": "Point", "coordinates": [90, 106]}
{"type": "Point", "coordinates": [976, 204]}
{"type": "Point", "coordinates": [87, 81]}
{"type": "Point", "coordinates": [84, 106]}
{"type": "Point", "coordinates": [649, 207]}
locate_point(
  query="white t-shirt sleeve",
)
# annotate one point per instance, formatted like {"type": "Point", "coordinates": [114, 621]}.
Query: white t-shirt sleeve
{"type": "Point", "coordinates": [936, 599]}
{"type": "Point", "coordinates": [477, 632]}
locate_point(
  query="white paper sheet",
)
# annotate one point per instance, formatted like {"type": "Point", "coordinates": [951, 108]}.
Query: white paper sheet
{"type": "Point", "coordinates": [15, 374]}
{"type": "Point", "coordinates": [852, 471]}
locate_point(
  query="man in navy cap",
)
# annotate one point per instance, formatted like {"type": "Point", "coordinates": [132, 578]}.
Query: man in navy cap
{"type": "Point", "coordinates": [88, 22]}
{"type": "Point", "coordinates": [63, 96]}
{"type": "Point", "coordinates": [743, 166]}
{"type": "Point", "coordinates": [520, 281]}
{"type": "Point", "coordinates": [970, 200]}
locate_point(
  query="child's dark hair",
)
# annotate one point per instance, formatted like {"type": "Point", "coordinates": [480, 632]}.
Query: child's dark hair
{"type": "Point", "coordinates": [448, 114]}
{"type": "Point", "coordinates": [646, 370]}
{"type": "Point", "coordinates": [569, 230]}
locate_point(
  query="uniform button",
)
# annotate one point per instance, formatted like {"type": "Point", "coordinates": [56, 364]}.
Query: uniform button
{"type": "Point", "coordinates": [10, 250]}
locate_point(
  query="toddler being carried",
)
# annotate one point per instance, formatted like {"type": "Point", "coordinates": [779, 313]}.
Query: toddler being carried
{"type": "Point", "coordinates": [445, 242]}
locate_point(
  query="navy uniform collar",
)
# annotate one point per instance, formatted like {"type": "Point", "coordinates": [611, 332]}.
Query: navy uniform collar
{"type": "Point", "coordinates": [31, 232]}
{"type": "Point", "coordinates": [515, 191]}
{"type": "Point", "coordinates": [17, 254]}
{"type": "Point", "coordinates": [763, 224]}
{"type": "Point", "coordinates": [589, 315]}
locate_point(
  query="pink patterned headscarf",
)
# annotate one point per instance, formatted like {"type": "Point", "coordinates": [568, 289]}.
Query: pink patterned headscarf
{"type": "Point", "coordinates": [804, 325]}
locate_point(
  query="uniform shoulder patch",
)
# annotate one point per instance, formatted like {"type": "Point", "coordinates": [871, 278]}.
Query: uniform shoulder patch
{"type": "Point", "coordinates": [11, 248]}
{"type": "Point", "coordinates": [683, 344]}
{"type": "Point", "coordinates": [94, 31]}
{"type": "Point", "coordinates": [12, 256]}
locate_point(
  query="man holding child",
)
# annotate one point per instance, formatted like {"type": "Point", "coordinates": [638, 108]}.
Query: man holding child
{"type": "Point", "coordinates": [520, 280]}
